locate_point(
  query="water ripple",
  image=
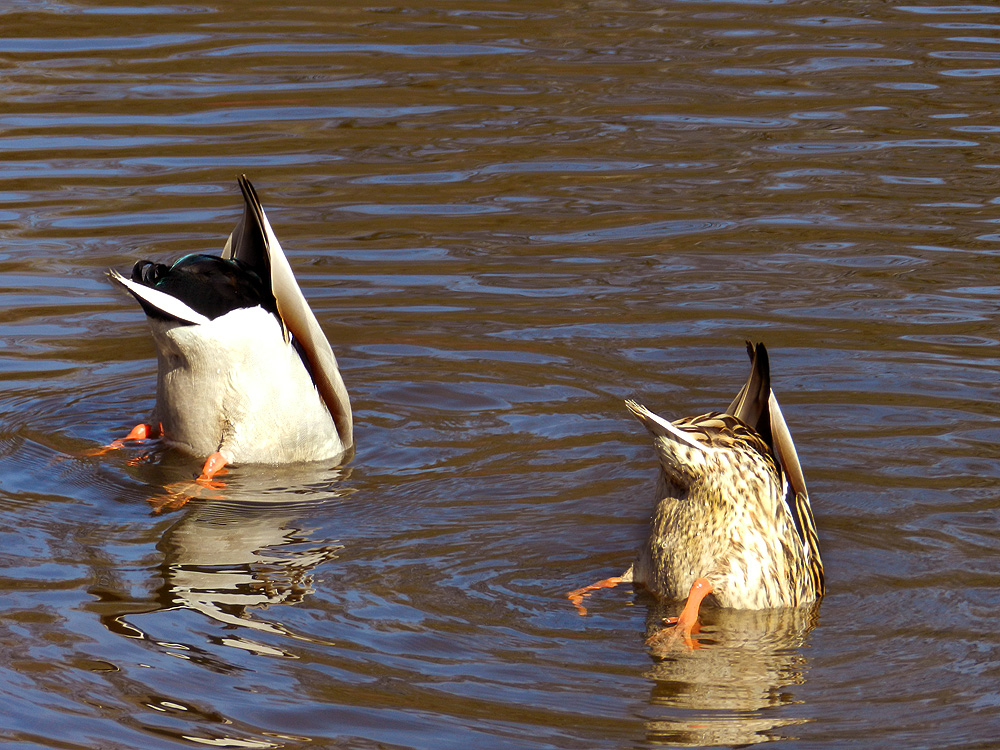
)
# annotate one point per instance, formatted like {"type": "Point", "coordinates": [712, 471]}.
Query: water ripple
{"type": "Point", "coordinates": [696, 121]}
{"type": "Point", "coordinates": [117, 43]}
{"type": "Point", "coordinates": [947, 9]}
{"type": "Point", "coordinates": [657, 229]}
{"type": "Point", "coordinates": [852, 146]}
{"type": "Point", "coordinates": [418, 50]}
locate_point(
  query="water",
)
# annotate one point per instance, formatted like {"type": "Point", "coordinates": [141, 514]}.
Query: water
{"type": "Point", "coordinates": [508, 218]}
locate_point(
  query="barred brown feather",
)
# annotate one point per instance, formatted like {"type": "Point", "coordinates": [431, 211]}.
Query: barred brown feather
{"type": "Point", "coordinates": [732, 506]}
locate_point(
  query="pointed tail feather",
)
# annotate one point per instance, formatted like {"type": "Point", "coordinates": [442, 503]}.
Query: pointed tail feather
{"type": "Point", "coordinates": [294, 311]}
{"type": "Point", "coordinates": [751, 404]}
{"type": "Point", "coordinates": [660, 427]}
{"type": "Point", "coordinates": [248, 240]}
{"type": "Point", "coordinates": [146, 295]}
{"type": "Point", "coordinates": [784, 448]}
{"type": "Point", "coordinates": [682, 456]}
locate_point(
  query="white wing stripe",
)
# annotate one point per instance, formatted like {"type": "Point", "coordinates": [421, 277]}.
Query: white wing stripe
{"type": "Point", "coordinates": [164, 302]}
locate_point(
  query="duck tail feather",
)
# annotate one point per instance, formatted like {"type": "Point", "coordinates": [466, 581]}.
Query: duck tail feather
{"type": "Point", "coordinates": [164, 303]}
{"type": "Point", "coordinates": [751, 404]}
{"type": "Point", "coordinates": [298, 318]}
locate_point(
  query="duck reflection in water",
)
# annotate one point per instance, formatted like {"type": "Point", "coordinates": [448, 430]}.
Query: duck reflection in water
{"type": "Point", "coordinates": [226, 559]}
{"type": "Point", "coordinates": [727, 693]}
{"type": "Point", "coordinates": [732, 517]}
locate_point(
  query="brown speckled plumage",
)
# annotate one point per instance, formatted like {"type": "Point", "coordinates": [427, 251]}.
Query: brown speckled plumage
{"type": "Point", "coordinates": [732, 505]}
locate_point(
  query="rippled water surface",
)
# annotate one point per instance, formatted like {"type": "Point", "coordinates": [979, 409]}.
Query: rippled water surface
{"type": "Point", "coordinates": [508, 217]}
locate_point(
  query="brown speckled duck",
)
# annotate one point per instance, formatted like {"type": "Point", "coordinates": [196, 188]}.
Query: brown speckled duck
{"type": "Point", "coordinates": [732, 517]}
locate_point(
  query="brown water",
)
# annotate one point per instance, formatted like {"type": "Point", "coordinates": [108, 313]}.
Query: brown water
{"type": "Point", "coordinates": [508, 217]}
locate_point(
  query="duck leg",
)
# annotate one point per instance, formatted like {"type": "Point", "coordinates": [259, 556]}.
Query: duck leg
{"type": "Point", "coordinates": [205, 487]}
{"type": "Point", "coordinates": [576, 596]}
{"type": "Point", "coordinates": [139, 432]}
{"type": "Point", "coordinates": [687, 622]}
{"type": "Point", "coordinates": [214, 464]}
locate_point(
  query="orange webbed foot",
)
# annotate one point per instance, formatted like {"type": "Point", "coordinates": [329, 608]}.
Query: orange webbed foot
{"type": "Point", "coordinates": [576, 596]}
{"type": "Point", "coordinates": [139, 432]}
{"type": "Point", "coordinates": [214, 464]}
{"type": "Point", "coordinates": [177, 494]}
{"type": "Point", "coordinates": [686, 624]}
{"type": "Point", "coordinates": [205, 487]}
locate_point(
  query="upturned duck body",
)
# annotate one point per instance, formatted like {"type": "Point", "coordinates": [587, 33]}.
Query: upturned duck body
{"type": "Point", "coordinates": [732, 515]}
{"type": "Point", "coordinates": [244, 371]}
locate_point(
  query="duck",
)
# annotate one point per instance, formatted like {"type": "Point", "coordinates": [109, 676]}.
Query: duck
{"type": "Point", "coordinates": [245, 374]}
{"type": "Point", "coordinates": [732, 515]}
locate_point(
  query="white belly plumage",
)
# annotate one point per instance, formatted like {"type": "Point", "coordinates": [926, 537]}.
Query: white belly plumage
{"type": "Point", "coordinates": [234, 385]}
